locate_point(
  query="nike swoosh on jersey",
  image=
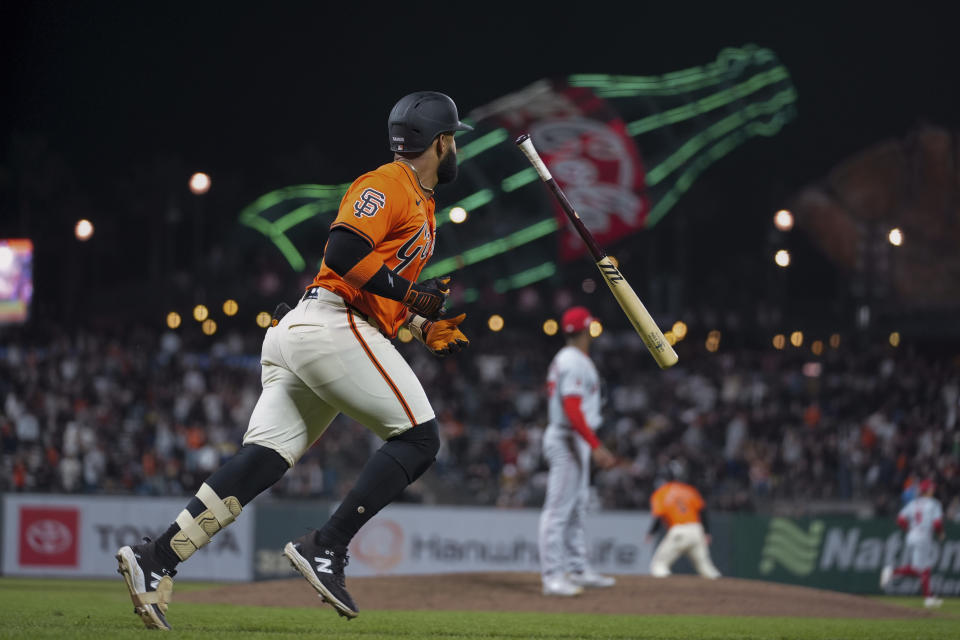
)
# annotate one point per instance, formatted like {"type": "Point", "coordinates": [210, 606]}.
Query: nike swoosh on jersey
{"type": "Point", "coordinates": [418, 203]}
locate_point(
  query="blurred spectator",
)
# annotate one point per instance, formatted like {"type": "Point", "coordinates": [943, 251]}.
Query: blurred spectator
{"type": "Point", "coordinates": [147, 413]}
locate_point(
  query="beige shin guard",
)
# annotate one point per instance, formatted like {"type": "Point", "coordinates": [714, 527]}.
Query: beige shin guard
{"type": "Point", "coordinates": [196, 532]}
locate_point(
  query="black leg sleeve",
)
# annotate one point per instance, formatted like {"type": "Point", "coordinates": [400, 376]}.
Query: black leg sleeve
{"type": "Point", "coordinates": [394, 466]}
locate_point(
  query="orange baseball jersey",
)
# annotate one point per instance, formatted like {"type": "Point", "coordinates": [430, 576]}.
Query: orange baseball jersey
{"type": "Point", "coordinates": [387, 207]}
{"type": "Point", "coordinates": [676, 503]}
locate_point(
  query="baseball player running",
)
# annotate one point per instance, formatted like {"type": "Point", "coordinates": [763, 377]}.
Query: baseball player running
{"type": "Point", "coordinates": [680, 506]}
{"type": "Point", "coordinates": [921, 518]}
{"type": "Point", "coordinates": [573, 408]}
{"type": "Point", "coordinates": [332, 353]}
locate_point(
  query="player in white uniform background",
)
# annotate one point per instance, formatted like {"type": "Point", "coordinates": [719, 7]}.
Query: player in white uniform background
{"type": "Point", "coordinates": [573, 407]}
{"type": "Point", "coordinates": [921, 518]}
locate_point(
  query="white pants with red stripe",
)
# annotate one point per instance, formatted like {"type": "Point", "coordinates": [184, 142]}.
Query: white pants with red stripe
{"type": "Point", "coordinates": [683, 539]}
{"type": "Point", "coordinates": [323, 359]}
{"type": "Point", "coordinates": [563, 539]}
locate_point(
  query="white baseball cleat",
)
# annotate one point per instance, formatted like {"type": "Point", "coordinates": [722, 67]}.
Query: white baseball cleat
{"type": "Point", "coordinates": [591, 578]}
{"type": "Point", "coordinates": [150, 583]}
{"type": "Point", "coordinates": [560, 586]}
{"type": "Point", "coordinates": [886, 576]}
{"type": "Point", "coordinates": [932, 603]}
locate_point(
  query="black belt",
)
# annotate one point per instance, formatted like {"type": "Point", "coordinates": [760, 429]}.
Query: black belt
{"type": "Point", "coordinates": [313, 293]}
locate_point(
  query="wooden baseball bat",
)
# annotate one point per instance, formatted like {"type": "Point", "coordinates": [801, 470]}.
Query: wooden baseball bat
{"type": "Point", "coordinates": [638, 315]}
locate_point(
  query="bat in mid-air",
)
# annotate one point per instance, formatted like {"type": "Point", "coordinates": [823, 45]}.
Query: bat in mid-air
{"type": "Point", "coordinates": [638, 315]}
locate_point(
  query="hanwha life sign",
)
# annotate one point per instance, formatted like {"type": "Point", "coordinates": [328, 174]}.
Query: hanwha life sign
{"type": "Point", "coordinates": [379, 545]}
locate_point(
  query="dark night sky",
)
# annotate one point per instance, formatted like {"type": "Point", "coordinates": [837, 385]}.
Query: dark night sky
{"type": "Point", "coordinates": [229, 87]}
{"type": "Point", "coordinates": [234, 88]}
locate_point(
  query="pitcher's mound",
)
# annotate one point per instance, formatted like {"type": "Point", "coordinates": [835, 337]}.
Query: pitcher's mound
{"type": "Point", "coordinates": [640, 595]}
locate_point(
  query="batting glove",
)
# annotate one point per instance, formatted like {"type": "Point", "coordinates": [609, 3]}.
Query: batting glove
{"type": "Point", "coordinates": [282, 309]}
{"type": "Point", "coordinates": [441, 337]}
{"type": "Point", "coordinates": [429, 298]}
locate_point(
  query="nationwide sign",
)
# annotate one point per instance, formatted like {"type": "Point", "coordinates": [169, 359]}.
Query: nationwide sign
{"type": "Point", "coordinates": [844, 554]}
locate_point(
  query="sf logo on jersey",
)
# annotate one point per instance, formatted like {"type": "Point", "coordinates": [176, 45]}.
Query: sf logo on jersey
{"type": "Point", "coordinates": [369, 203]}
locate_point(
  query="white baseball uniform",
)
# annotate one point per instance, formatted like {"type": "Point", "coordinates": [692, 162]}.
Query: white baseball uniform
{"type": "Point", "coordinates": [322, 359]}
{"type": "Point", "coordinates": [921, 515]}
{"type": "Point", "coordinates": [562, 536]}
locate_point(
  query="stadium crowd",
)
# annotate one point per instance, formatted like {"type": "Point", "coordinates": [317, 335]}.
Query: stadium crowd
{"type": "Point", "coordinates": [146, 413]}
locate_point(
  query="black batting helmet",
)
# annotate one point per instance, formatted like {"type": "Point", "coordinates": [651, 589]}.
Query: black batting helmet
{"type": "Point", "coordinates": [420, 117]}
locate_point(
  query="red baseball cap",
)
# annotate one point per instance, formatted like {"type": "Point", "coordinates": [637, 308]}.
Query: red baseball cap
{"type": "Point", "coordinates": [575, 320]}
{"type": "Point", "coordinates": [925, 485]}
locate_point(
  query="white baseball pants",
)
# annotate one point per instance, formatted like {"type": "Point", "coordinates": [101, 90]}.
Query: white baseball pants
{"type": "Point", "coordinates": [920, 553]}
{"type": "Point", "coordinates": [323, 359]}
{"type": "Point", "coordinates": [683, 539]}
{"type": "Point", "coordinates": [562, 535]}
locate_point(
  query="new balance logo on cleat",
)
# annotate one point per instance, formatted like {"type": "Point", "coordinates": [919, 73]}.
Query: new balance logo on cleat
{"type": "Point", "coordinates": [154, 579]}
{"type": "Point", "coordinates": [325, 573]}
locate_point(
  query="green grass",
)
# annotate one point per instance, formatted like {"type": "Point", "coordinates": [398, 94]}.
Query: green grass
{"type": "Point", "coordinates": [99, 609]}
{"type": "Point", "coordinates": [951, 606]}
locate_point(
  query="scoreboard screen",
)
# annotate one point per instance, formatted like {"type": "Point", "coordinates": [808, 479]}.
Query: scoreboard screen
{"type": "Point", "coordinates": [16, 280]}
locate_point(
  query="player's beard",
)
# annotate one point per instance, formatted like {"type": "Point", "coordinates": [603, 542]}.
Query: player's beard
{"type": "Point", "coordinates": [447, 170]}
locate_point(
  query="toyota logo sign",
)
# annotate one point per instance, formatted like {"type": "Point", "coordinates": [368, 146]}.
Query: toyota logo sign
{"type": "Point", "coordinates": [48, 537]}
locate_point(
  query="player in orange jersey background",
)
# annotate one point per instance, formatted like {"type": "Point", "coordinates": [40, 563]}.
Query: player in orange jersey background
{"type": "Point", "coordinates": [679, 507]}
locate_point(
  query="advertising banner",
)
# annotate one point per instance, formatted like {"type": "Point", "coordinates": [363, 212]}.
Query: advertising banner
{"type": "Point", "coordinates": [61, 535]}
{"type": "Point", "coordinates": [407, 539]}
{"type": "Point", "coordinates": [839, 553]}
{"type": "Point", "coordinates": [279, 522]}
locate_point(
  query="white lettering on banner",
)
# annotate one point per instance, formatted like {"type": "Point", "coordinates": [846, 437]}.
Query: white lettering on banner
{"type": "Point", "coordinates": [406, 539]}
{"type": "Point", "coordinates": [844, 550]}
{"type": "Point", "coordinates": [950, 557]}
{"type": "Point", "coordinates": [107, 523]}
{"type": "Point", "coordinates": [838, 549]}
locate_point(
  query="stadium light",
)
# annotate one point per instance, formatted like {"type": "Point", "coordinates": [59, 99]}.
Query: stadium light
{"type": "Point", "coordinates": [817, 347]}
{"type": "Point", "coordinates": [83, 230]}
{"type": "Point", "coordinates": [713, 341]}
{"type": "Point", "coordinates": [835, 341]}
{"type": "Point", "coordinates": [550, 327]}
{"type": "Point", "coordinates": [209, 326]}
{"type": "Point", "coordinates": [230, 307]}
{"type": "Point", "coordinates": [895, 237]}
{"type": "Point", "coordinates": [200, 313]}
{"type": "Point", "coordinates": [782, 258]}
{"type": "Point", "coordinates": [670, 337]}
{"type": "Point", "coordinates": [174, 319]}
{"type": "Point", "coordinates": [404, 335]}
{"type": "Point", "coordinates": [264, 319]}
{"type": "Point", "coordinates": [458, 215]}
{"type": "Point", "coordinates": [679, 329]}
{"type": "Point", "coordinates": [783, 220]}
{"type": "Point", "coordinates": [199, 183]}
{"type": "Point", "coordinates": [596, 328]}
{"type": "Point", "coordinates": [894, 339]}
{"type": "Point", "coordinates": [495, 322]}
{"type": "Point", "coordinates": [796, 339]}
{"type": "Point", "coordinates": [779, 341]}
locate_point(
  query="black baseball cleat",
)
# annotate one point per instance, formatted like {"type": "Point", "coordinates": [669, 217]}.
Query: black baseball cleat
{"type": "Point", "coordinates": [150, 583]}
{"type": "Point", "coordinates": [322, 566]}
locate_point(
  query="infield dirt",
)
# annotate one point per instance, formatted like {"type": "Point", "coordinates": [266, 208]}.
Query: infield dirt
{"type": "Point", "coordinates": [637, 595]}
